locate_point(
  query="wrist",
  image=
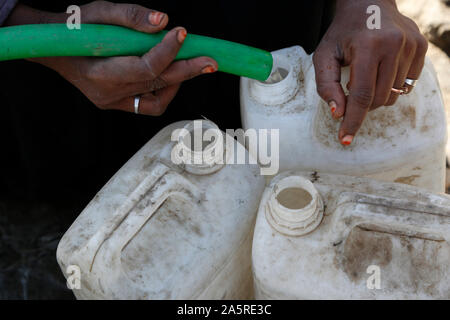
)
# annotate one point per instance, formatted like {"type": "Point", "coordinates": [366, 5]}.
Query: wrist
{"type": "Point", "coordinates": [22, 15]}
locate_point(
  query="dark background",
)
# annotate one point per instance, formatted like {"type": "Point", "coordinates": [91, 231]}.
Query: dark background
{"type": "Point", "coordinates": [58, 149]}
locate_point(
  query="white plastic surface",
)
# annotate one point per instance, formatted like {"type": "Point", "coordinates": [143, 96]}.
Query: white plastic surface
{"type": "Point", "coordinates": [163, 231]}
{"type": "Point", "coordinates": [401, 232]}
{"type": "Point", "coordinates": [403, 143]}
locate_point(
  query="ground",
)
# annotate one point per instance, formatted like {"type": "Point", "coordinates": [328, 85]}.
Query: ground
{"type": "Point", "coordinates": [29, 235]}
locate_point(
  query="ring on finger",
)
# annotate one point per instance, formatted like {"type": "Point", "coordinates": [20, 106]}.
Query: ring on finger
{"type": "Point", "coordinates": [137, 100]}
{"type": "Point", "coordinates": [400, 91]}
{"type": "Point", "coordinates": [407, 87]}
{"type": "Point", "coordinates": [410, 82]}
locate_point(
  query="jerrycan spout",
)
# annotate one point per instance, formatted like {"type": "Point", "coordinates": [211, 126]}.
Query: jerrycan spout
{"type": "Point", "coordinates": [286, 79]}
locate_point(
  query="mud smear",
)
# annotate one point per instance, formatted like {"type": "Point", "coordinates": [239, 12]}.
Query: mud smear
{"type": "Point", "coordinates": [373, 128]}
{"type": "Point", "coordinates": [363, 249]}
{"type": "Point", "coordinates": [407, 180]}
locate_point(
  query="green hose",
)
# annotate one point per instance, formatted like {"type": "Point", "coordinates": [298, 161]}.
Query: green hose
{"type": "Point", "coordinates": [56, 40]}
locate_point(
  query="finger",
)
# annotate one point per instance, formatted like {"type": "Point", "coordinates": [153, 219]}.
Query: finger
{"type": "Point", "coordinates": [385, 81]}
{"type": "Point", "coordinates": [328, 79]}
{"type": "Point", "coordinates": [133, 69]}
{"type": "Point", "coordinates": [152, 64]}
{"type": "Point", "coordinates": [153, 104]}
{"type": "Point", "coordinates": [404, 66]}
{"type": "Point", "coordinates": [156, 103]}
{"type": "Point", "coordinates": [176, 73]}
{"type": "Point", "coordinates": [363, 76]}
{"type": "Point", "coordinates": [127, 15]}
{"type": "Point", "coordinates": [419, 59]}
{"type": "Point", "coordinates": [162, 55]}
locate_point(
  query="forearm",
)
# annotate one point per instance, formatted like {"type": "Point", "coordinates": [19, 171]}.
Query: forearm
{"type": "Point", "coordinates": [23, 14]}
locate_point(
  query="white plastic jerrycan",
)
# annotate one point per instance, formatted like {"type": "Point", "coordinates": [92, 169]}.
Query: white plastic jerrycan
{"type": "Point", "coordinates": [326, 236]}
{"type": "Point", "coordinates": [403, 143]}
{"type": "Point", "coordinates": [158, 230]}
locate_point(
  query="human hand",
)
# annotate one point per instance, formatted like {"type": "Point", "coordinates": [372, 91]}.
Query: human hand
{"type": "Point", "coordinates": [113, 83]}
{"type": "Point", "coordinates": [379, 60]}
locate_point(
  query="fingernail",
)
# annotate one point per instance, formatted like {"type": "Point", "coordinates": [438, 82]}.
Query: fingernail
{"type": "Point", "coordinates": [181, 35]}
{"type": "Point", "coordinates": [209, 69]}
{"type": "Point", "coordinates": [347, 140]}
{"type": "Point", "coordinates": [332, 106]}
{"type": "Point", "coordinates": [155, 18]}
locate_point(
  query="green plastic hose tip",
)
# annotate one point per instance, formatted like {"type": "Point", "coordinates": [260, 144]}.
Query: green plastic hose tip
{"type": "Point", "coordinates": [56, 40]}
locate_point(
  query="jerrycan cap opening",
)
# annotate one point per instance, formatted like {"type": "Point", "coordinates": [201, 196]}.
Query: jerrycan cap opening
{"type": "Point", "coordinates": [280, 87]}
{"type": "Point", "coordinates": [294, 208]}
{"type": "Point", "coordinates": [200, 147]}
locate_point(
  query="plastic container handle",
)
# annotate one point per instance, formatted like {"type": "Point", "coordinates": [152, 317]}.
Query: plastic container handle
{"type": "Point", "coordinates": [424, 220]}
{"type": "Point", "coordinates": [170, 184]}
{"type": "Point", "coordinates": [53, 40]}
{"type": "Point", "coordinates": [123, 224]}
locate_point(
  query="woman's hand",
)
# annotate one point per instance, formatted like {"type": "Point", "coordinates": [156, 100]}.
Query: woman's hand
{"type": "Point", "coordinates": [113, 83]}
{"type": "Point", "coordinates": [379, 59]}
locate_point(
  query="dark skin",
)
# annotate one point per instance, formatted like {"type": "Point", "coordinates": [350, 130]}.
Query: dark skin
{"type": "Point", "coordinates": [113, 83]}
{"type": "Point", "coordinates": [379, 60]}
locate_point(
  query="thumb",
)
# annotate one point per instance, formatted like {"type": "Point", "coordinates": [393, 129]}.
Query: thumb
{"type": "Point", "coordinates": [127, 15]}
{"type": "Point", "coordinates": [328, 81]}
